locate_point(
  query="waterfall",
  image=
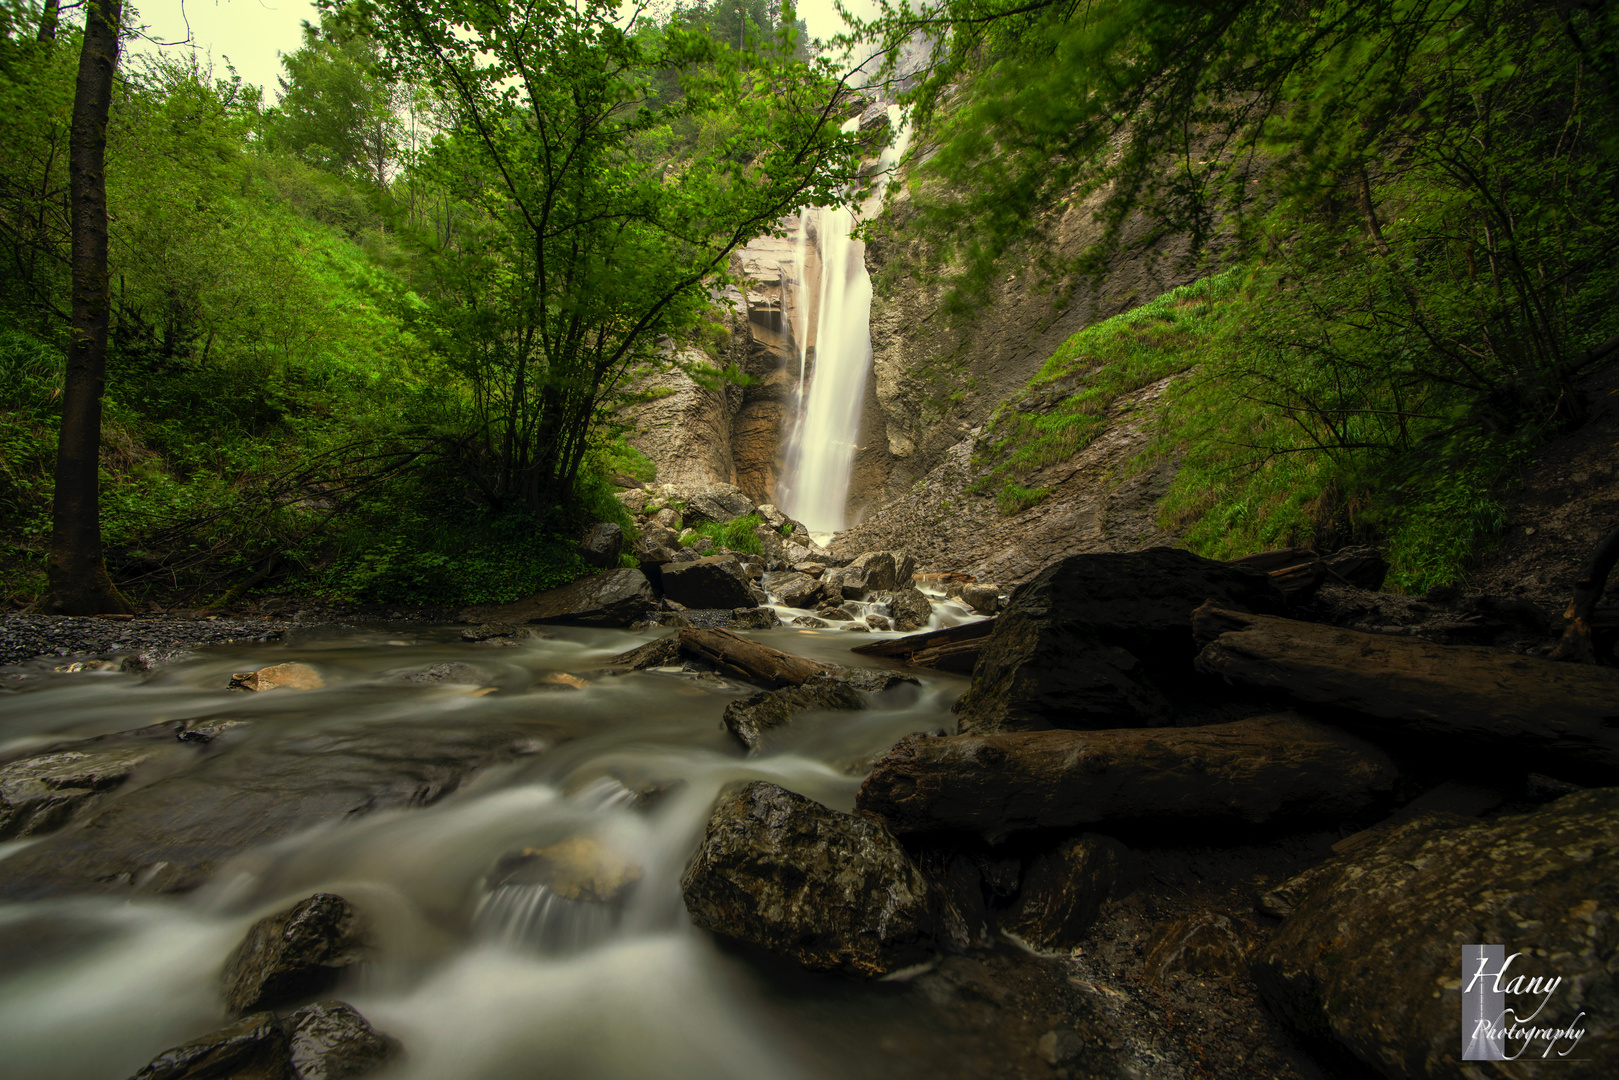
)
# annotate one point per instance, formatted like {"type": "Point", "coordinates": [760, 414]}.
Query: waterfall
{"type": "Point", "coordinates": [815, 483]}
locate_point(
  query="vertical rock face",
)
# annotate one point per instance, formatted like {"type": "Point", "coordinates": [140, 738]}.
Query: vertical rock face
{"type": "Point", "coordinates": [686, 428]}
{"type": "Point", "coordinates": [1370, 956]}
{"type": "Point", "coordinates": [831, 891]}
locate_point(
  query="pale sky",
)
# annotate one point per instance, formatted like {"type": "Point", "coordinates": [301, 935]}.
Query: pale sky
{"type": "Point", "coordinates": [254, 33]}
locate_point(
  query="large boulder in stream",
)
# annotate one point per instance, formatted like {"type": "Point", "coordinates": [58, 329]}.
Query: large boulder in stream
{"type": "Point", "coordinates": [328, 1040]}
{"type": "Point", "coordinates": [1102, 641]}
{"type": "Point", "coordinates": [615, 597]}
{"type": "Point", "coordinates": [1371, 955]}
{"type": "Point", "coordinates": [719, 581]}
{"type": "Point", "coordinates": [293, 954]}
{"type": "Point", "coordinates": [834, 892]}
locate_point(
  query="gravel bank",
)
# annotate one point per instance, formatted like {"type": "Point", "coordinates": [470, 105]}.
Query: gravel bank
{"type": "Point", "coordinates": [151, 641]}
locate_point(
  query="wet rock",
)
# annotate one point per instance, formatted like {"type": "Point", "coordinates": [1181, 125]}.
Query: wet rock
{"type": "Point", "coordinates": [42, 793]}
{"type": "Point", "coordinates": [910, 609]}
{"type": "Point", "coordinates": [750, 717]}
{"type": "Point", "coordinates": [328, 1040]}
{"type": "Point", "coordinates": [858, 628]}
{"type": "Point", "coordinates": [579, 868]}
{"type": "Point", "coordinates": [1205, 945]}
{"type": "Point", "coordinates": [499, 633]}
{"type": "Point", "coordinates": [615, 597]}
{"type": "Point", "coordinates": [796, 590]}
{"type": "Point", "coordinates": [207, 730]}
{"type": "Point", "coordinates": [810, 569]}
{"type": "Point", "coordinates": [811, 622]}
{"type": "Point", "coordinates": [878, 622]}
{"type": "Point", "coordinates": [714, 582]}
{"type": "Point", "coordinates": [984, 599]}
{"type": "Point", "coordinates": [602, 544]}
{"type": "Point", "coordinates": [293, 954]}
{"type": "Point", "coordinates": [664, 652]}
{"type": "Point", "coordinates": [830, 891]}
{"type": "Point", "coordinates": [1100, 641]}
{"type": "Point", "coordinates": [718, 504]}
{"type": "Point", "coordinates": [1370, 956]}
{"type": "Point", "coordinates": [879, 570]}
{"type": "Point", "coordinates": [289, 676]}
{"type": "Point", "coordinates": [848, 581]}
{"type": "Point", "coordinates": [452, 672]}
{"type": "Point", "coordinates": [754, 618]}
{"type": "Point", "coordinates": [1063, 891]}
{"type": "Point", "coordinates": [835, 611]}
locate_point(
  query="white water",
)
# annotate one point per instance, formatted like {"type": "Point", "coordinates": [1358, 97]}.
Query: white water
{"type": "Point", "coordinates": [815, 483]}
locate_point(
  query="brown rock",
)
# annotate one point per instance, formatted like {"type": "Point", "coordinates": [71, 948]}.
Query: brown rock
{"type": "Point", "coordinates": [293, 954]}
{"type": "Point", "coordinates": [289, 676]}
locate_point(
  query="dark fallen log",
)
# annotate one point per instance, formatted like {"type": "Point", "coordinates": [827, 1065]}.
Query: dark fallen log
{"type": "Point", "coordinates": [955, 648]}
{"type": "Point", "coordinates": [1251, 772]}
{"type": "Point", "coordinates": [748, 659]}
{"type": "Point", "coordinates": [1560, 718]}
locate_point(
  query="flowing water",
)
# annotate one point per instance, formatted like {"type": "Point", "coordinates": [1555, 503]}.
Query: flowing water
{"type": "Point", "coordinates": [480, 975]}
{"type": "Point", "coordinates": [815, 482]}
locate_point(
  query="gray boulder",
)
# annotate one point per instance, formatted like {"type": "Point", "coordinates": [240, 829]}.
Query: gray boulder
{"type": "Point", "coordinates": [886, 570]}
{"type": "Point", "coordinates": [718, 504]}
{"type": "Point", "coordinates": [754, 618]}
{"type": "Point", "coordinates": [909, 609]}
{"type": "Point", "coordinates": [634, 500]}
{"type": "Point", "coordinates": [796, 590]}
{"type": "Point", "coordinates": [717, 581]}
{"type": "Point", "coordinates": [615, 597]}
{"type": "Point", "coordinates": [293, 954]}
{"type": "Point", "coordinates": [42, 793]}
{"type": "Point", "coordinates": [849, 581]}
{"type": "Point", "coordinates": [602, 544]}
{"type": "Point", "coordinates": [831, 891]}
{"type": "Point", "coordinates": [1370, 956]}
{"type": "Point", "coordinates": [984, 599]}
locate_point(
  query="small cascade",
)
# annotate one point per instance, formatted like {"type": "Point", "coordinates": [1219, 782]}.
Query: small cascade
{"type": "Point", "coordinates": [815, 484]}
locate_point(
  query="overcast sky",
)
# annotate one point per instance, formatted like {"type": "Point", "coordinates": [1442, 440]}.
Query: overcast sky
{"type": "Point", "coordinates": [254, 33]}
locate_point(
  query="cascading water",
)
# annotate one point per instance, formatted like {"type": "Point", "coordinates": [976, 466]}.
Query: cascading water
{"type": "Point", "coordinates": [815, 483]}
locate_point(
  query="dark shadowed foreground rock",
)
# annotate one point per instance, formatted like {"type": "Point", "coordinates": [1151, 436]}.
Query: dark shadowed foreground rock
{"type": "Point", "coordinates": [955, 648]}
{"type": "Point", "coordinates": [831, 891]}
{"type": "Point", "coordinates": [293, 954]}
{"type": "Point", "coordinates": [1265, 769]}
{"type": "Point", "coordinates": [1561, 718]}
{"type": "Point", "coordinates": [1371, 955]}
{"type": "Point", "coordinates": [324, 1041]}
{"type": "Point", "coordinates": [1063, 891]}
{"type": "Point", "coordinates": [1098, 641]}
{"type": "Point", "coordinates": [718, 581]}
{"type": "Point", "coordinates": [611, 598]}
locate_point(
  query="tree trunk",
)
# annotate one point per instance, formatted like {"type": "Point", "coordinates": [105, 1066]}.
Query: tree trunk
{"type": "Point", "coordinates": [955, 648]}
{"type": "Point", "coordinates": [78, 578]}
{"type": "Point", "coordinates": [748, 659]}
{"type": "Point", "coordinates": [1480, 703]}
{"type": "Point", "coordinates": [49, 17]}
{"type": "Point", "coordinates": [1252, 772]}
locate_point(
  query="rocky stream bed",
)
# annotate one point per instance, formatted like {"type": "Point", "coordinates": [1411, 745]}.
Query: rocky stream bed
{"type": "Point", "coordinates": [792, 815]}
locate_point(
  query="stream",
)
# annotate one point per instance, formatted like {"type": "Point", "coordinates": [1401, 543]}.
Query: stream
{"type": "Point", "coordinates": [479, 977]}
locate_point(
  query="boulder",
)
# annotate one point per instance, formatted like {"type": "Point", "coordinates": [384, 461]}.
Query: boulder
{"type": "Point", "coordinates": [602, 544]}
{"type": "Point", "coordinates": [498, 633]}
{"type": "Point", "coordinates": [754, 618]}
{"type": "Point", "coordinates": [1370, 956]}
{"type": "Point", "coordinates": [328, 1040]}
{"type": "Point", "coordinates": [810, 569]}
{"type": "Point", "coordinates": [717, 581]}
{"type": "Point", "coordinates": [910, 609]}
{"type": "Point", "coordinates": [1100, 641]}
{"type": "Point", "coordinates": [667, 518]}
{"type": "Point", "coordinates": [1063, 891]}
{"type": "Point", "coordinates": [1251, 772]}
{"type": "Point", "coordinates": [984, 599]}
{"type": "Point", "coordinates": [615, 597]}
{"type": "Point", "coordinates": [879, 569]}
{"type": "Point", "coordinates": [831, 891]}
{"type": "Point", "coordinates": [954, 648]}
{"type": "Point", "coordinates": [43, 792]}
{"type": "Point", "coordinates": [634, 500]}
{"type": "Point", "coordinates": [810, 622]}
{"type": "Point", "coordinates": [289, 676]}
{"type": "Point", "coordinates": [879, 622]}
{"type": "Point", "coordinates": [718, 504]}
{"type": "Point", "coordinates": [796, 590]}
{"type": "Point", "coordinates": [774, 517]}
{"type": "Point", "coordinates": [849, 581]}
{"type": "Point", "coordinates": [748, 718]}
{"type": "Point", "coordinates": [293, 954]}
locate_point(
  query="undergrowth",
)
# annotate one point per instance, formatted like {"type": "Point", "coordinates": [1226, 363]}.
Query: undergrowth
{"type": "Point", "coordinates": [737, 534]}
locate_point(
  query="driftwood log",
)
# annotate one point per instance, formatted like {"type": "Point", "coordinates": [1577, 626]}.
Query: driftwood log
{"type": "Point", "coordinates": [1246, 773]}
{"type": "Point", "coordinates": [955, 648]}
{"type": "Point", "coordinates": [1563, 718]}
{"type": "Point", "coordinates": [749, 660]}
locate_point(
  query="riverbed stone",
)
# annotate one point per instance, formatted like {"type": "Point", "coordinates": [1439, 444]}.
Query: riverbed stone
{"type": "Point", "coordinates": [1370, 956]}
{"type": "Point", "coordinates": [796, 590]}
{"type": "Point", "coordinates": [910, 609]}
{"type": "Point", "coordinates": [754, 618]}
{"type": "Point", "coordinates": [849, 581]}
{"type": "Point", "coordinates": [1103, 641]}
{"type": "Point", "coordinates": [253, 1048]}
{"type": "Point", "coordinates": [717, 581]}
{"type": "Point", "coordinates": [42, 793]}
{"type": "Point", "coordinates": [602, 544]}
{"type": "Point", "coordinates": [578, 868]}
{"type": "Point", "coordinates": [616, 597]}
{"type": "Point", "coordinates": [328, 1040]}
{"type": "Point", "coordinates": [831, 891]}
{"type": "Point", "coordinates": [748, 718]}
{"type": "Point", "coordinates": [289, 676]}
{"type": "Point", "coordinates": [293, 954]}
{"type": "Point", "coordinates": [984, 599]}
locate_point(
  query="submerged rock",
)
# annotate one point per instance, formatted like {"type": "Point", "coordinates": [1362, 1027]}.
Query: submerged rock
{"type": "Point", "coordinates": [293, 954]}
{"type": "Point", "coordinates": [289, 676]}
{"type": "Point", "coordinates": [499, 633]}
{"type": "Point", "coordinates": [328, 1040]}
{"type": "Point", "coordinates": [453, 672]}
{"type": "Point", "coordinates": [1371, 954]}
{"type": "Point", "coordinates": [811, 622]}
{"type": "Point", "coordinates": [41, 793]}
{"type": "Point", "coordinates": [578, 868]}
{"type": "Point", "coordinates": [750, 717]}
{"type": "Point", "coordinates": [718, 581]}
{"type": "Point", "coordinates": [830, 891]}
{"type": "Point", "coordinates": [1100, 641]}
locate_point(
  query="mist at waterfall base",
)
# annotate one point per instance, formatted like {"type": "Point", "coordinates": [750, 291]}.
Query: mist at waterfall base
{"type": "Point", "coordinates": [814, 488]}
{"type": "Point", "coordinates": [481, 979]}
